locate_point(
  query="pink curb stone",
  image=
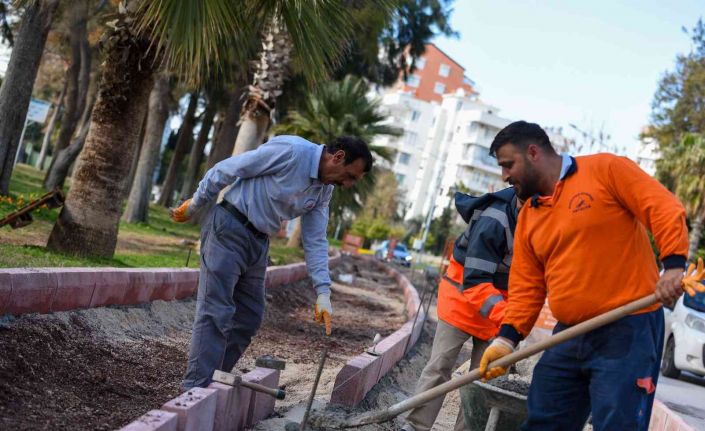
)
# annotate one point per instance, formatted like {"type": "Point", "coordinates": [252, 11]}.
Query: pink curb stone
{"type": "Point", "coordinates": [154, 420]}
{"type": "Point", "coordinates": [32, 291]}
{"type": "Point", "coordinates": [195, 409]}
{"type": "Point", "coordinates": [359, 373]}
{"type": "Point", "coordinates": [261, 405]}
{"type": "Point", "coordinates": [140, 288]}
{"type": "Point", "coordinates": [110, 287]}
{"type": "Point", "coordinates": [227, 410]}
{"type": "Point", "coordinates": [5, 290]}
{"type": "Point", "coordinates": [164, 288]}
{"type": "Point", "coordinates": [185, 282]}
{"type": "Point", "coordinates": [74, 288]}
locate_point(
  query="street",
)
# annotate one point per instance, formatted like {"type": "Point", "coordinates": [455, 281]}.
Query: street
{"type": "Point", "coordinates": [685, 396]}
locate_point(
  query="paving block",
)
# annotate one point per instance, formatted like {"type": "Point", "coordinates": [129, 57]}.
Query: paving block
{"type": "Point", "coordinates": [185, 282]}
{"type": "Point", "coordinates": [195, 409]}
{"type": "Point", "coordinates": [140, 288]}
{"type": "Point", "coordinates": [164, 289]}
{"type": "Point", "coordinates": [5, 290]}
{"type": "Point", "coordinates": [261, 405]}
{"type": "Point", "coordinates": [359, 373]}
{"type": "Point", "coordinates": [110, 287]}
{"type": "Point", "coordinates": [229, 412]}
{"type": "Point", "coordinates": [74, 288]}
{"type": "Point", "coordinates": [154, 420]}
{"type": "Point", "coordinates": [32, 291]}
{"type": "Point", "coordinates": [393, 348]}
{"type": "Point", "coordinates": [659, 415]}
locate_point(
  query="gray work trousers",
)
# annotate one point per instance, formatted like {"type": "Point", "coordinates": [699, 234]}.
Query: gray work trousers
{"type": "Point", "coordinates": [230, 301]}
{"type": "Point", "coordinates": [447, 343]}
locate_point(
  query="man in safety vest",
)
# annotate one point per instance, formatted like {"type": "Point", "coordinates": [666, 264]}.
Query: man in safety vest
{"type": "Point", "coordinates": [471, 295]}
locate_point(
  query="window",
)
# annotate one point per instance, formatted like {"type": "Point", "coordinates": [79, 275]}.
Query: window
{"type": "Point", "coordinates": [413, 80]}
{"type": "Point", "coordinates": [415, 115]}
{"type": "Point", "coordinates": [420, 63]}
{"type": "Point", "coordinates": [400, 178]}
{"type": "Point", "coordinates": [439, 88]}
{"type": "Point", "coordinates": [404, 158]}
{"type": "Point", "coordinates": [411, 138]}
{"type": "Point", "coordinates": [444, 70]}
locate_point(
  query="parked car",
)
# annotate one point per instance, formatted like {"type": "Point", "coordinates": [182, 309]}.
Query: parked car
{"type": "Point", "coordinates": [684, 347]}
{"type": "Point", "coordinates": [401, 254]}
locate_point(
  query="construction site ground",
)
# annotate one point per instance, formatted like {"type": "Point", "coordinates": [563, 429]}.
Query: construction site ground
{"type": "Point", "coordinates": [101, 368]}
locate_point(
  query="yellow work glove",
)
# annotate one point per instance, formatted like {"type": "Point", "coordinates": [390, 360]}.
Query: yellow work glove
{"type": "Point", "coordinates": [693, 276]}
{"type": "Point", "coordinates": [182, 213]}
{"type": "Point", "coordinates": [500, 347]}
{"type": "Point", "coordinates": [324, 311]}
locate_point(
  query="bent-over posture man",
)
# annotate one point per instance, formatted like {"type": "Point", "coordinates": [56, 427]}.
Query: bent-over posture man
{"type": "Point", "coordinates": [471, 295]}
{"type": "Point", "coordinates": [581, 241]}
{"type": "Point", "coordinates": [283, 179]}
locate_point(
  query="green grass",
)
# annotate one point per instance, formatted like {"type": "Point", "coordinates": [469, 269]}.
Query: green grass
{"type": "Point", "coordinates": [157, 243]}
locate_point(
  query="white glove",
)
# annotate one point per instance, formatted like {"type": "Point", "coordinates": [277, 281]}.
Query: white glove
{"type": "Point", "coordinates": [323, 311]}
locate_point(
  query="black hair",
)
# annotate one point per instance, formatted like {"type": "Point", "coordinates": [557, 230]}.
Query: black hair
{"type": "Point", "coordinates": [354, 147]}
{"type": "Point", "coordinates": [521, 134]}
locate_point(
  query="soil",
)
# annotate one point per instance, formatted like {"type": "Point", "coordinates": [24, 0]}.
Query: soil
{"type": "Point", "coordinates": [99, 369]}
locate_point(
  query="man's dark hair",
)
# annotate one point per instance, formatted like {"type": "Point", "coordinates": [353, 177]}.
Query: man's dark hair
{"type": "Point", "coordinates": [354, 147]}
{"type": "Point", "coordinates": [521, 134]}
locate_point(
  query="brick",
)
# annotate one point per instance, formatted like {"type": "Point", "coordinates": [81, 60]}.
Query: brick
{"type": "Point", "coordinates": [164, 289]}
{"type": "Point", "coordinates": [154, 420]}
{"type": "Point", "coordinates": [185, 283]}
{"type": "Point", "coordinates": [261, 405]}
{"type": "Point", "coordinates": [110, 287]}
{"type": "Point", "coordinates": [5, 290]}
{"type": "Point", "coordinates": [140, 287]}
{"type": "Point", "coordinates": [32, 291]}
{"type": "Point", "coordinates": [232, 407]}
{"type": "Point", "coordinates": [392, 348]}
{"type": "Point", "coordinates": [350, 383]}
{"type": "Point", "coordinates": [195, 409]}
{"type": "Point", "coordinates": [74, 288]}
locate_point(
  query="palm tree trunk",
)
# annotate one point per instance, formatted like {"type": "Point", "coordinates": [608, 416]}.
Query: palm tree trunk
{"type": "Point", "coordinates": [16, 89]}
{"type": "Point", "coordinates": [696, 233]}
{"type": "Point", "coordinates": [89, 220]}
{"type": "Point", "coordinates": [58, 107]}
{"type": "Point", "coordinates": [78, 77]}
{"type": "Point", "coordinates": [224, 141]}
{"type": "Point", "coordinates": [130, 178]}
{"type": "Point", "coordinates": [141, 190]}
{"type": "Point", "coordinates": [196, 157]}
{"type": "Point", "coordinates": [182, 147]}
{"type": "Point", "coordinates": [271, 70]}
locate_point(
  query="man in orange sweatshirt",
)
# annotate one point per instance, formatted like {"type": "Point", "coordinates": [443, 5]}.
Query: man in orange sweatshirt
{"type": "Point", "coordinates": [581, 242]}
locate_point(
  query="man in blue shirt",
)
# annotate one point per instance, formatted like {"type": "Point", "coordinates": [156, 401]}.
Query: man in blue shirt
{"type": "Point", "coordinates": [285, 178]}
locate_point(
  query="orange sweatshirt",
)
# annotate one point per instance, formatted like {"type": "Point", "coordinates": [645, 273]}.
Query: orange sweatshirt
{"type": "Point", "coordinates": [586, 246]}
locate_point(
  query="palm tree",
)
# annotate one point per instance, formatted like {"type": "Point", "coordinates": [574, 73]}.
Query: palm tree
{"type": "Point", "coordinates": [16, 90]}
{"type": "Point", "coordinates": [341, 108]}
{"type": "Point", "coordinates": [683, 167]}
{"type": "Point", "coordinates": [189, 38]}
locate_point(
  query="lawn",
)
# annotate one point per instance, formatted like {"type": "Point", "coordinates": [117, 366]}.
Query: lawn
{"type": "Point", "coordinates": [159, 243]}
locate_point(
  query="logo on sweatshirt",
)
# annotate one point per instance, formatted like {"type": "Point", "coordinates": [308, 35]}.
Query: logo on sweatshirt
{"type": "Point", "coordinates": [310, 203]}
{"type": "Point", "coordinates": [580, 202]}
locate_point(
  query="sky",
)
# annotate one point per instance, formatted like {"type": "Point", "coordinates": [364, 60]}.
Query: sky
{"type": "Point", "coordinates": [595, 64]}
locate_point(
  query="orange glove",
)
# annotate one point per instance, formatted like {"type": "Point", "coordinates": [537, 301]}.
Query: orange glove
{"type": "Point", "coordinates": [323, 311]}
{"type": "Point", "coordinates": [182, 213]}
{"type": "Point", "coordinates": [500, 347]}
{"type": "Point", "coordinates": [693, 276]}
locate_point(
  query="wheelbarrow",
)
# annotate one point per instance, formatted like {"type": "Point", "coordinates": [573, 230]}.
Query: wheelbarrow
{"type": "Point", "coordinates": [491, 408]}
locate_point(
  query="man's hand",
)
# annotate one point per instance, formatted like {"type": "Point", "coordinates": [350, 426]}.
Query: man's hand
{"type": "Point", "coordinates": [668, 287]}
{"type": "Point", "coordinates": [183, 213]}
{"type": "Point", "coordinates": [500, 347]}
{"type": "Point", "coordinates": [324, 311]}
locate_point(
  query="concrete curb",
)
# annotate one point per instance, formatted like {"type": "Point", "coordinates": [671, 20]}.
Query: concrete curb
{"type": "Point", "coordinates": [665, 419]}
{"type": "Point", "coordinates": [45, 290]}
{"type": "Point", "coordinates": [361, 373]}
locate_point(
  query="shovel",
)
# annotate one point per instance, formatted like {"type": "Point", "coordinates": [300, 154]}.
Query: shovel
{"type": "Point", "coordinates": [692, 279]}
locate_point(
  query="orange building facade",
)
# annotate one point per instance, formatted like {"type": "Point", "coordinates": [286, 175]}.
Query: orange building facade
{"type": "Point", "coordinates": [436, 74]}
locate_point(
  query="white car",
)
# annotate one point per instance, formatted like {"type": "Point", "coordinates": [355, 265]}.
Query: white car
{"type": "Point", "coordinates": [684, 347]}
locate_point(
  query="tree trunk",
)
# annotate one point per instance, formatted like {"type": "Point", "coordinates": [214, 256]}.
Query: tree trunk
{"type": "Point", "coordinates": [180, 150]}
{"type": "Point", "coordinates": [130, 178]}
{"type": "Point", "coordinates": [141, 190]}
{"type": "Point", "coordinates": [224, 141]}
{"type": "Point", "coordinates": [271, 70]}
{"type": "Point", "coordinates": [295, 238]}
{"type": "Point", "coordinates": [89, 220]}
{"type": "Point", "coordinates": [196, 157]}
{"type": "Point", "coordinates": [696, 232]}
{"type": "Point", "coordinates": [56, 114]}
{"type": "Point", "coordinates": [16, 89]}
{"type": "Point", "coordinates": [78, 78]}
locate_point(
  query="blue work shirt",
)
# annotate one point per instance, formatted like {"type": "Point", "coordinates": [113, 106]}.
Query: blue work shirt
{"type": "Point", "coordinates": [275, 182]}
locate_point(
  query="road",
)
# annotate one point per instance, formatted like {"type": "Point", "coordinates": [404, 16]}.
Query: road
{"type": "Point", "coordinates": [685, 396]}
